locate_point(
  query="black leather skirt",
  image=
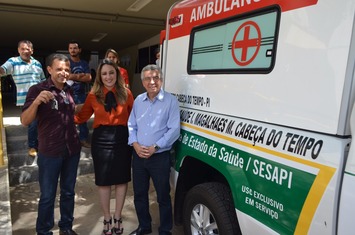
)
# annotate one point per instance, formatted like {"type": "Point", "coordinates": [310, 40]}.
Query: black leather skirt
{"type": "Point", "coordinates": [111, 155]}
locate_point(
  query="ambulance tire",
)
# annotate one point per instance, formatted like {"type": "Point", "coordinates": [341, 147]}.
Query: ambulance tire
{"type": "Point", "coordinates": [215, 199]}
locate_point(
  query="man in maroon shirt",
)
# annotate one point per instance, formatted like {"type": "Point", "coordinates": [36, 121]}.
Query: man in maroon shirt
{"type": "Point", "coordinates": [52, 104]}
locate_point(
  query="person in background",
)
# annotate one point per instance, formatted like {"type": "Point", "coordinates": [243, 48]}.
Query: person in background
{"type": "Point", "coordinates": [80, 75]}
{"type": "Point", "coordinates": [52, 104]}
{"type": "Point", "coordinates": [113, 55]}
{"type": "Point", "coordinates": [111, 103]}
{"type": "Point", "coordinates": [153, 125]}
{"type": "Point", "coordinates": [26, 71]}
{"type": "Point", "coordinates": [157, 56]}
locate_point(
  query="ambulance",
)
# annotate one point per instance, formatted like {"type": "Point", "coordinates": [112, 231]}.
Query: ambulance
{"type": "Point", "coordinates": [266, 93]}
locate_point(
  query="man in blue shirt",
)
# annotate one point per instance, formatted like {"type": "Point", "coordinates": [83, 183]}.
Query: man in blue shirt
{"type": "Point", "coordinates": [80, 75]}
{"type": "Point", "coordinates": [154, 126]}
{"type": "Point", "coordinates": [25, 71]}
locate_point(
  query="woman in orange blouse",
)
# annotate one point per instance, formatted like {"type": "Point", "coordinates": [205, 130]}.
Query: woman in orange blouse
{"type": "Point", "coordinates": [111, 103]}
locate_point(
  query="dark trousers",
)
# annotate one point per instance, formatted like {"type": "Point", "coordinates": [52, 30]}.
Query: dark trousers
{"type": "Point", "coordinates": [157, 167]}
{"type": "Point", "coordinates": [83, 128]}
{"type": "Point", "coordinates": [50, 169]}
{"type": "Point", "coordinates": [33, 135]}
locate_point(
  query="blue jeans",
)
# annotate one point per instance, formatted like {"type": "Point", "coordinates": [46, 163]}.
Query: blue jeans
{"type": "Point", "coordinates": [156, 167]}
{"type": "Point", "coordinates": [50, 169]}
{"type": "Point", "coordinates": [83, 128]}
{"type": "Point", "coordinates": [32, 135]}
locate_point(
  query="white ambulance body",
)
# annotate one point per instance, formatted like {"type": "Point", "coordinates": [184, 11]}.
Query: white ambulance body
{"type": "Point", "coordinates": [266, 95]}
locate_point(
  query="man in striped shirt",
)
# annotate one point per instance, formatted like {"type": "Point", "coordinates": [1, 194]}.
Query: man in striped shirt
{"type": "Point", "coordinates": [25, 71]}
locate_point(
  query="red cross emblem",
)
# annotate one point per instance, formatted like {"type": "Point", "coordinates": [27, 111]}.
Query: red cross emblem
{"type": "Point", "coordinates": [244, 51]}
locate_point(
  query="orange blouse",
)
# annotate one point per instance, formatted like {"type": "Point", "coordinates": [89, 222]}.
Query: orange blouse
{"type": "Point", "coordinates": [124, 75]}
{"type": "Point", "coordinates": [91, 106]}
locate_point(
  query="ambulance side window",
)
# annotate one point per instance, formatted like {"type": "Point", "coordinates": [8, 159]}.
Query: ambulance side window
{"type": "Point", "coordinates": [243, 44]}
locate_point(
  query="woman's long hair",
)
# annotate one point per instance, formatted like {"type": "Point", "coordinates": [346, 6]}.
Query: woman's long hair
{"type": "Point", "coordinates": [110, 50]}
{"type": "Point", "coordinates": [120, 89]}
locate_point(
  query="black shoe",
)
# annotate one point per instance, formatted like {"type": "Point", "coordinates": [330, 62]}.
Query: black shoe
{"type": "Point", "coordinates": [141, 231]}
{"type": "Point", "coordinates": [67, 232]}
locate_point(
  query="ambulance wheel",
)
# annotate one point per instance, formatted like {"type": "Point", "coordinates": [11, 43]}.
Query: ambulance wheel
{"type": "Point", "coordinates": [209, 209]}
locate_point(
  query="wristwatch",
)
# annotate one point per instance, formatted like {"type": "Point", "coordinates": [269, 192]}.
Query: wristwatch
{"type": "Point", "coordinates": [156, 147]}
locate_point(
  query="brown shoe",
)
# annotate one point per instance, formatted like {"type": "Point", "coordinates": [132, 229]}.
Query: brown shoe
{"type": "Point", "coordinates": [85, 144]}
{"type": "Point", "coordinates": [32, 152]}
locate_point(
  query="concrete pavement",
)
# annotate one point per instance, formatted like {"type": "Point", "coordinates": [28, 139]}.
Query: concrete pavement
{"type": "Point", "coordinates": [88, 216]}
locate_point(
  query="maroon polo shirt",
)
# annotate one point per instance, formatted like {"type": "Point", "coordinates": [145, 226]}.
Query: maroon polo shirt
{"type": "Point", "coordinates": [57, 133]}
